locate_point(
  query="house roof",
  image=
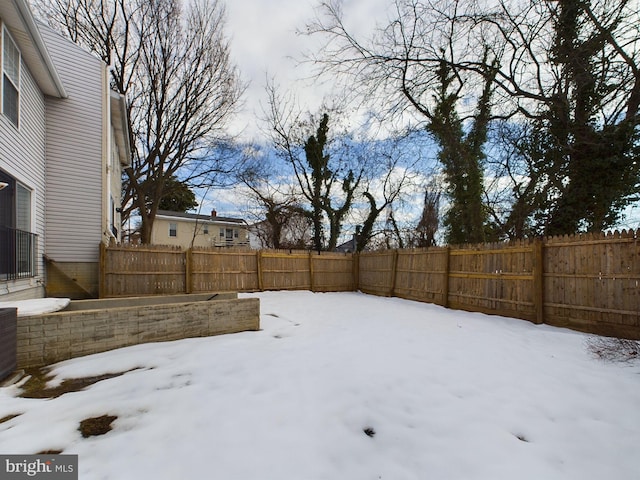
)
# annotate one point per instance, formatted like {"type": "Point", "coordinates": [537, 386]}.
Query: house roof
{"type": "Point", "coordinates": [348, 246]}
{"type": "Point", "coordinates": [18, 18]}
{"type": "Point", "coordinates": [197, 217]}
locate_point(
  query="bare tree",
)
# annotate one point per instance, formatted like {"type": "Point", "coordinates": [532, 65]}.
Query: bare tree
{"type": "Point", "coordinates": [282, 226]}
{"type": "Point", "coordinates": [393, 173]}
{"type": "Point", "coordinates": [173, 65]}
{"type": "Point", "coordinates": [280, 221]}
{"type": "Point", "coordinates": [515, 187]}
{"type": "Point", "coordinates": [328, 169]}
{"type": "Point", "coordinates": [429, 220]}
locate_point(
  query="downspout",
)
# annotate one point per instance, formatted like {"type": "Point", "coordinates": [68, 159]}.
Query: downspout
{"type": "Point", "coordinates": [107, 140]}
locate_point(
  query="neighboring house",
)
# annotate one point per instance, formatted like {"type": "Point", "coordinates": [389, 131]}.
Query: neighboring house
{"type": "Point", "coordinates": [349, 246]}
{"type": "Point", "coordinates": [192, 230]}
{"type": "Point", "coordinates": [63, 142]}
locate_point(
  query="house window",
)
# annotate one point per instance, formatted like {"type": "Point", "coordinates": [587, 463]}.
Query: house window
{"type": "Point", "coordinates": [235, 233]}
{"type": "Point", "coordinates": [17, 244]}
{"type": "Point", "coordinates": [10, 78]}
{"type": "Point", "coordinates": [205, 230]}
{"type": "Point", "coordinates": [23, 208]}
{"type": "Point", "coordinates": [173, 229]}
{"type": "Point", "coordinates": [221, 232]}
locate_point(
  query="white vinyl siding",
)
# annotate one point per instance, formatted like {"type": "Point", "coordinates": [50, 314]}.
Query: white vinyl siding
{"type": "Point", "coordinates": [22, 155]}
{"type": "Point", "coordinates": [75, 166]}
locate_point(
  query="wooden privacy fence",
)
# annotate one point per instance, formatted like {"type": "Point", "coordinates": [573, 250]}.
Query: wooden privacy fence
{"type": "Point", "coordinates": [586, 282]}
{"type": "Point", "coordinates": [499, 278]}
{"type": "Point", "coordinates": [155, 270]}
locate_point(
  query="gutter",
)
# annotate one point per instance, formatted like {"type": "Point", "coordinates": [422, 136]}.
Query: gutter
{"type": "Point", "coordinates": [211, 221]}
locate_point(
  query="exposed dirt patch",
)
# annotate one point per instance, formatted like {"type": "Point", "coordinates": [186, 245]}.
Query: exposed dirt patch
{"type": "Point", "coordinates": [9, 417]}
{"type": "Point", "coordinates": [613, 349]}
{"type": "Point", "coordinates": [36, 385]}
{"type": "Point", "coordinates": [93, 426]}
{"type": "Point", "coordinates": [369, 431]}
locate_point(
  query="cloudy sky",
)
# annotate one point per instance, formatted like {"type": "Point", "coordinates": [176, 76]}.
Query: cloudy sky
{"type": "Point", "coordinates": [264, 43]}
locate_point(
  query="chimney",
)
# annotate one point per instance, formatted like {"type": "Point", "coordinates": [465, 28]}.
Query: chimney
{"type": "Point", "coordinates": [214, 214]}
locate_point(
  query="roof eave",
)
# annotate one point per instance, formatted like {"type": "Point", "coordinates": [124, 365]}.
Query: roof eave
{"type": "Point", "coordinates": [40, 64]}
{"type": "Point", "coordinates": [120, 123]}
{"type": "Point", "coordinates": [202, 218]}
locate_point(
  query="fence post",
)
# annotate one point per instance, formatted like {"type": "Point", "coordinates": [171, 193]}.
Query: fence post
{"type": "Point", "coordinates": [188, 272]}
{"type": "Point", "coordinates": [394, 272]}
{"type": "Point", "coordinates": [445, 284]}
{"type": "Point", "coordinates": [311, 270]}
{"type": "Point", "coordinates": [538, 279]}
{"type": "Point", "coordinates": [356, 271]}
{"type": "Point", "coordinates": [102, 274]}
{"type": "Point", "coordinates": [259, 262]}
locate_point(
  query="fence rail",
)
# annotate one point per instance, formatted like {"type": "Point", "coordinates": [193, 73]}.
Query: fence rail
{"type": "Point", "coordinates": [586, 282]}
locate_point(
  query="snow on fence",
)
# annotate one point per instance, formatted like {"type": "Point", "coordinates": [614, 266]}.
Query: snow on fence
{"type": "Point", "coordinates": [586, 282]}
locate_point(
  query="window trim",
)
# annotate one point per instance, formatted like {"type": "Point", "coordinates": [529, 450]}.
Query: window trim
{"type": "Point", "coordinates": [27, 202]}
{"type": "Point", "coordinates": [4, 33]}
{"type": "Point", "coordinates": [18, 242]}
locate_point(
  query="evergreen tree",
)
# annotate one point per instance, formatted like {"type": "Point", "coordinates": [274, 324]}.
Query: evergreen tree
{"type": "Point", "coordinates": [177, 197]}
{"type": "Point", "coordinates": [317, 181]}
{"type": "Point", "coordinates": [320, 173]}
{"type": "Point", "coordinates": [462, 158]}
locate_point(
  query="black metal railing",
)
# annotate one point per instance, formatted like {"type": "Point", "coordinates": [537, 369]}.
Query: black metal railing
{"type": "Point", "coordinates": [17, 254]}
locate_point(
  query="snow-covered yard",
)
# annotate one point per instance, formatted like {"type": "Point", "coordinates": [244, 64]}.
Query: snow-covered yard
{"type": "Point", "coordinates": [442, 395]}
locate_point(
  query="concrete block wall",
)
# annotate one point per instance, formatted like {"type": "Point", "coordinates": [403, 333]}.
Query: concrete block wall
{"type": "Point", "coordinates": [50, 338]}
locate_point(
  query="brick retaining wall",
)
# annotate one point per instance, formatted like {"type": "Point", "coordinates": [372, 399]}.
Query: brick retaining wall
{"type": "Point", "coordinates": [50, 338]}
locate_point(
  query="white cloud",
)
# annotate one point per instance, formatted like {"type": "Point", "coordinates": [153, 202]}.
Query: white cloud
{"type": "Point", "coordinates": [265, 43]}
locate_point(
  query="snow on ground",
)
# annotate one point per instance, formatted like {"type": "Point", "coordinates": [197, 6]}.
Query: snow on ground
{"type": "Point", "coordinates": [36, 306]}
{"type": "Point", "coordinates": [449, 395]}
